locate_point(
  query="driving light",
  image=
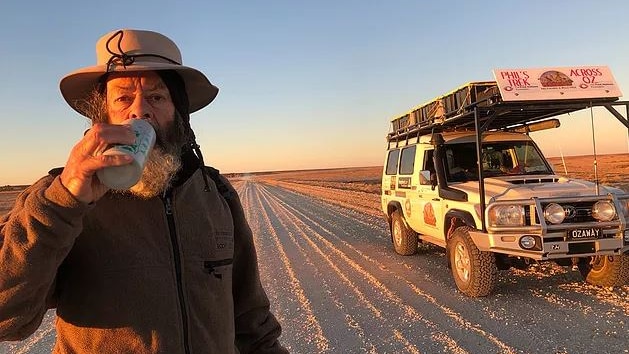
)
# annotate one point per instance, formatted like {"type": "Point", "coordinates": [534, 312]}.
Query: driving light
{"type": "Point", "coordinates": [603, 210]}
{"type": "Point", "coordinates": [527, 242]}
{"type": "Point", "coordinates": [554, 213]}
{"type": "Point", "coordinates": [506, 215]}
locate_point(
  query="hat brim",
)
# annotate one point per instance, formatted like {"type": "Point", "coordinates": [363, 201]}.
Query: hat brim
{"type": "Point", "coordinates": [78, 85]}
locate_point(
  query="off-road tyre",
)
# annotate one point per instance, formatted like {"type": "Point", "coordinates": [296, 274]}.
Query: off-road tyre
{"type": "Point", "coordinates": [608, 271]}
{"type": "Point", "coordinates": [475, 273]}
{"type": "Point", "coordinates": [404, 239]}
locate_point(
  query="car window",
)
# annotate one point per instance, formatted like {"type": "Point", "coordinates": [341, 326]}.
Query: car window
{"type": "Point", "coordinates": [407, 162]}
{"type": "Point", "coordinates": [392, 160]}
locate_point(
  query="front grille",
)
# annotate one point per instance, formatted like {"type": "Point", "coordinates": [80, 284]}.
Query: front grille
{"type": "Point", "coordinates": [527, 217]}
{"type": "Point", "coordinates": [576, 212]}
{"type": "Point", "coordinates": [578, 221]}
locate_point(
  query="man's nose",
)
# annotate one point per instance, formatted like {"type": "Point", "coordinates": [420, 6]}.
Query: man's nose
{"type": "Point", "coordinates": [141, 108]}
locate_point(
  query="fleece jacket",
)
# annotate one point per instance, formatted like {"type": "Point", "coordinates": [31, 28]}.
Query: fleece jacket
{"type": "Point", "coordinates": [170, 274]}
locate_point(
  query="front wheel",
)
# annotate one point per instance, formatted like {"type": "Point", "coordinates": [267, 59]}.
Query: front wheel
{"type": "Point", "coordinates": [404, 239]}
{"type": "Point", "coordinates": [606, 271]}
{"type": "Point", "coordinates": [475, 272]}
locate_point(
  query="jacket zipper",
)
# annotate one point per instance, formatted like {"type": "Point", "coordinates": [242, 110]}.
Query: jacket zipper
{"type": "Point", "coordinates": [173, 239]}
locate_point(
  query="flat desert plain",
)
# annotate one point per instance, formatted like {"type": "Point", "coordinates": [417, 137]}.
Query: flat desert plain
{"type": "Point", "coordinates": [359, 187]}
{"type": "Point", "coordinates": [348, 183]}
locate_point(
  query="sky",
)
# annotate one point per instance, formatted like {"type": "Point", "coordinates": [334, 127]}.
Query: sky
{"type": "Point", "coordinates": [303, 84]}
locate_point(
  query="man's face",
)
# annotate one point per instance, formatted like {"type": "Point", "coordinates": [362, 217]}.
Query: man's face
{"type": "Point", "coordinates": [145, 96]}
{"type": "Point", "coordinates": [139, 95]}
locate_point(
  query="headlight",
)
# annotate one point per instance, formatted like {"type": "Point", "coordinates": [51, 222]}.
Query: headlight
{"type": "Point", "coordinates": [506, 215]}
{"type": "Point", "coordinates": [603, 210]}
{"type": "Point", "coordinates": [554, 213]}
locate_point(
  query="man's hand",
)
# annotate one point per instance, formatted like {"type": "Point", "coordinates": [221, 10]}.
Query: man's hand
{"type": "Point", "coordinates": [79, 173]}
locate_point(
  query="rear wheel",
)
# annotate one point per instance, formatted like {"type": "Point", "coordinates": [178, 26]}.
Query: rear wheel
{"type": "Point", "coordinates": [404, 239]}
{"type": "Point", "coordinates": [475, 273]}
{"type": "Point", "coordinates": [605, 270]}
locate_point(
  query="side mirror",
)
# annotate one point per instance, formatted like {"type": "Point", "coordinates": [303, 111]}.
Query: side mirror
{"type": "Point", "coordinates": [424, 178]}
{"type": "Point", "coordinates": [427, 178]}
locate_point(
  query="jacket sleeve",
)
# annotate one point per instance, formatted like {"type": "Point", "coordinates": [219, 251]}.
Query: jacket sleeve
{"type": "Point", "coordinates": [35, 237]}
{"type": "Point", "coordinates": [257, 330]}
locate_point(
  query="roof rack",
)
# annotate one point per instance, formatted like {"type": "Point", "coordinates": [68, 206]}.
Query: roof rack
{"type": "Point", "coordinates": [456, 111]}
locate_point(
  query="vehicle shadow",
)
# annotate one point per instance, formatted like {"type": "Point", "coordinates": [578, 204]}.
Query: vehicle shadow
{"type": "Point", "coordinates": [544, 276]}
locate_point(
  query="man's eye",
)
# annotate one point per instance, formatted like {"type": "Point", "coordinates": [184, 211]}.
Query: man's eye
{"type": "Point", "coordinates": [157, 98]}
{"type": "Point", "coordinates": [124, 99]}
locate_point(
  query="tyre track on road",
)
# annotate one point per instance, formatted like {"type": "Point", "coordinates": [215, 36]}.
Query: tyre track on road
{"type": "Point", "coordinates": [334, 196]}
{"type": "Point", "coordinates": [561, 289]}
{"type": "Point", "coordinates": [350, 321]}
{"type": "Point", "coordinates": [269, 277]}
{"type": "Point", "coordinates": [321, 342]}
{"type": "Point", "coordinates": [546, 308]}
{"type": "Point", "coordinates": [462, 322]}
{"type": "Point", "coordinates": [344, 278]}
{"type": "Point", "coordinates": [407, 311]}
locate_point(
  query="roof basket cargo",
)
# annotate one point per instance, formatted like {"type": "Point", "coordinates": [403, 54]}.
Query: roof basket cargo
{"type": "Point", "coordinates": [456, 111]}
{"type": "Point", "coordinates": [448, 105]}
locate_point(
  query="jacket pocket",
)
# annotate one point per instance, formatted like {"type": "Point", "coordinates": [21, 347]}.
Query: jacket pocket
{"type": "Point", "coordinates": [217, 267]}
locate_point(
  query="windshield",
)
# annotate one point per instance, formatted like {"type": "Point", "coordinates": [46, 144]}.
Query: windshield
{"type": "Point", "coordinates": [499, 159]}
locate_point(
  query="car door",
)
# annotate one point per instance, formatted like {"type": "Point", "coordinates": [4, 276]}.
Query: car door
{"type": "Point", "coordinates": [428, 206]}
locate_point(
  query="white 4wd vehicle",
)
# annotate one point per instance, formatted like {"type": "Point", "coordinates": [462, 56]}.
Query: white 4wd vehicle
{"type": "Point", "coordinates": [512, 209]}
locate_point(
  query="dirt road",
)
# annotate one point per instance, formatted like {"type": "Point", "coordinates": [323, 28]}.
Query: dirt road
{"type": "Point", "coordinates": [337, 287]}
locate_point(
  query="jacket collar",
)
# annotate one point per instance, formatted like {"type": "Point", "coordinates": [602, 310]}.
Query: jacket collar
{"type": "Point", "coordinates": [189, 164]}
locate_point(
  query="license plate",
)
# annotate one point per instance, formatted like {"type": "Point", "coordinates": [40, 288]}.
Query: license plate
{"type": "Point", "coordinates": [591, 232]}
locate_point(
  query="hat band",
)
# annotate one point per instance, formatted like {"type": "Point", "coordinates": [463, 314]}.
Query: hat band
{"type": "Point", "coordinates": [125, 59]}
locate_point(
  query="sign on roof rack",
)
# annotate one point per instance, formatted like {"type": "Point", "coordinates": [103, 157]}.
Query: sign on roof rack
{"type": "Point", "coordinates": [556, 83]}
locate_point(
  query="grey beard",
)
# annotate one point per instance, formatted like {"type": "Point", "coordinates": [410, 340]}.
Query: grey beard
{"type": "Point", "coordinates": [163, 162]}
{"type": "Point", "coordinates": [158, 174]}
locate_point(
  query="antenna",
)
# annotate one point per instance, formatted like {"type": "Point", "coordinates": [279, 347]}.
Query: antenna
{"type": "Point", "coordinates": [594, 149]}
{"type": "Point", "coordinates": [563, 161]}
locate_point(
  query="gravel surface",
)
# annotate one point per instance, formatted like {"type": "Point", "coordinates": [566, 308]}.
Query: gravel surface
{"type": "Point", "coordinates": [337, 286]}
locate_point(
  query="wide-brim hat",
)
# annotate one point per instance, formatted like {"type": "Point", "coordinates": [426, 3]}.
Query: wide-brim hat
{"type": "Point", "coordinates": [130, 50]}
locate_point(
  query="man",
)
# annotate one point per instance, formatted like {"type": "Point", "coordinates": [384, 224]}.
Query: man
{"type": "Point", "coordinates": [168, 266]}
